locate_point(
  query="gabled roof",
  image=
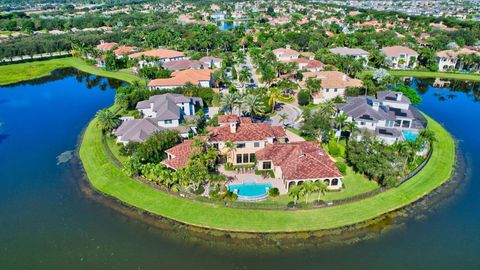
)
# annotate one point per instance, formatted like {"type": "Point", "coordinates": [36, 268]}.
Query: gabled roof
{"type": "Point", "coordinates": [360, 108]}
{"type": "Point", "coordinates": [181, 78]}
{"type": "Point", "coordinates": [106, 46]}
{"type": "Point", "coordinates": [246, 132]}
{"type": "Point", "coordinates": [125, 50]}
{"type": "Point", "coordinates": [300, 160]}
{"type": "Point", "coordinates": [158, 53]}
{"type": "Point", "coordinates": [392, 96]}
{"type": "Point", "coordinates": [285, 52]}
{"type": "Point", "coordinates": [456, 53]}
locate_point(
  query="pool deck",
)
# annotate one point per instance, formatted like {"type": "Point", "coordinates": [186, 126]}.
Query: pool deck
{"type": "Point", "coordinates": [237, 178]}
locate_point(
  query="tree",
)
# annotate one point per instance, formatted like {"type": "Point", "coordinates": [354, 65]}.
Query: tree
{"type": "Point", "coordinates": [253, 104]}
{"type": "Point", "coordinates": [340, 121]}
{"type": "Point", "coordinates": [313, 85]}
{"type": "Point", "coordinates": [321, 188]}
{"type": "Point", "coordinates": [107, 120]}
{"type": "Point", "coordinates": [303, 97]}
{"type": "Point", "coordinates": [328, 108]}
{"type": "Point", "coordinates": [352, 128]}
{"type": "Point", "coordinates": [295, 192]}
{"type": "Point", "coordinates": [381, 75]}
{"type": "Point", "coordinates": [283, 118]}
{"type": "Point", "coordinates": [316, 125]}
{"type": "Point", "coordinates": [153, 149]}
{"type": "Point", "coordinates": [307, 188]}
{"type": "Point", "coordinates": [229, 100]}
{"type": "Point", "coordinates": [274, 95]}
{"type": "Point", "coordinates": [121, 100]}
{"type": "Point", "coordinates": [244, 76]}
{"type": "Point", "coordinates": [409, 92]}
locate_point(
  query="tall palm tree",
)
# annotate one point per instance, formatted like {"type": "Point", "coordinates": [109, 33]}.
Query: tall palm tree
{"type": "Point", "coordinates": [107, 120]}
{"type": "Point", "coordinates": [352, 128]}
{"type": "Point", "coordinates": [427, 135]}
{"type": "Point", "coordinates": [340, 120]}
{"type": "Point", "coordinates": [274, 95]}
{"type": "Point", "coordinates": [321, 188]}
{"type": "Point", "coordinates": [121, 100]}
{"type": "Point", "coordinates": [230, 147]}
{"type": "Point", "coordinates": [244, 76]}
{"type": "Point", "coordinates": [308, 187]}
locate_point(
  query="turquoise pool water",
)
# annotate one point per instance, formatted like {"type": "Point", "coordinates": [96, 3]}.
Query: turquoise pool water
{"type": "Point", "coordinates": [250, 189]}
{"type": "Point", "coordinates": [409, 135]}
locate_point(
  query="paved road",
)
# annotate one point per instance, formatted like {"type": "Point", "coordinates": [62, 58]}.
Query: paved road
{"type": "Point", "coordinates": [248, 61]}
{"type": "Point", "coordinates": [293, 114]}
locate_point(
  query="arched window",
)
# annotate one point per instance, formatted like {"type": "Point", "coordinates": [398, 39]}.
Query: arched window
{"type": "Point", "coordinates": [327, 182]}
{"type": "Point", "coordinates": [334, 182]}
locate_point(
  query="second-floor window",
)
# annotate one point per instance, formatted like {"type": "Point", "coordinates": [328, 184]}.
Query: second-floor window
{"type": "Point", "coordinates": [167, 122]}
{"type": "Point", "coordinates": [256, 144]}
{"type": "Point", "coordinates": [240, 145]}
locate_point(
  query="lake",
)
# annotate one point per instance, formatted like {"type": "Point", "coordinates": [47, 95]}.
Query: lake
{"type": "Point", "coordinates": [48, 222]}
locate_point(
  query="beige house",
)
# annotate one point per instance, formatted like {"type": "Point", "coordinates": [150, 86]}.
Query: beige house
{"type": "Point", "coordinates": [449, 59]}
{"type": "Point", "coordinates": [334, 84]}
{"type": "Point", "coordinates": [400, 57]}
{"type": "Point", "coordinates": [286, 54]}
{"type": "Point", "coordinates": [247, 138]}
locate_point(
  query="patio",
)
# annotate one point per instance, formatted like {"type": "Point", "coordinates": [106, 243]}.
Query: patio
{"type": "Point", "coordinates": [249, 176]}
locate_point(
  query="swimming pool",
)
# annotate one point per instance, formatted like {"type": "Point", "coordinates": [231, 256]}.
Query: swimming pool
{"type": "Point", "coordinates": [250, 189]}
{"type": "Point", "coordinates": [409, 135]}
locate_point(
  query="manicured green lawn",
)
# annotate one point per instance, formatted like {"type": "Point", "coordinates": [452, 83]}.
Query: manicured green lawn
{"type": "Point", "coordinates": [31, 70]}
{"type": "Point", "coordinates": [115, 149]}
{"type": "Point", "coordinates": [110, 180]}
{"type": "Point", "coordinates": [428, 74]}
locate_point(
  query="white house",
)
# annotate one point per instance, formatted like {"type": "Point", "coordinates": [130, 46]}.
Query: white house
{"type": "Point", "coordinates": [449, 59]}
{"type": "Point", "coordinates": [156, 57]}
{"type": "Point", "coordinates": [199, 77]}
{"type": "Point", "coordinates": [400, 57]}
{"type": "Point", "coordinates": [286, 54]}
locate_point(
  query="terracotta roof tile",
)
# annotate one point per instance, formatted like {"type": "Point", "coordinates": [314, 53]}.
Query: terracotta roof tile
{"type": "Point", "coordinates": [181, 78]}
{"type": "Point", "coordinates": [300, 160]}
{"type": "Point", "coordinates": [158, 53]}
{"type": "Point", "coordinates": [247, 132]}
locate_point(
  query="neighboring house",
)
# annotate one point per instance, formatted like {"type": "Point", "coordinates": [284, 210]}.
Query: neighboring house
{"type": "Point", "coordinates": [160, 112]}
{"type": "Point", "coordinates": [179, 155]}
{"type": "Point", "coordinates": [218, 16]}
{"type": "Point", "coordinates": [298, 162]}
{"type": "Point", "coordinates": [183, 64]}
{"type": "Point", "coordinates": [211, 62]}
{"type": "Point", "coordinates": [106, 46]}
{"type": "Point", "coordinates": [279, 21]}
{"type": "Point", "coordinates": [400, 57]}
{"type": "Point", "coordinates": [388, 115]}
{"type": "Point", "coordinates": [246, 136]}
{"type": "Point", "coordinates": [286, 54]}
{"type": "Point", "coordinates": [310, 64]}
{"type": "Point", "coordinates": [199, 77]}
{"type": "Point", "coordinates": [334, 84]}
{"type": "Point", "coordinates": [122, 51]}
{"type": "Point", "coordinates": [356, 53]}
{"type": "Point", "coordinates": [156, 57]}
{"type": "Point", "coordinates": [449, 59]}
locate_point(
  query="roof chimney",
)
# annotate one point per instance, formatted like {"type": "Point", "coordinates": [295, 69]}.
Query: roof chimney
{"type": "Point", "coordinates": [233, 127]}
{"type": "Point", "coordinates": [287, 46]}
{"type": "Point", "coordinates": [311, 57]}
{"type": "Point", "coordinates": [399, 96]}
{"type": "Point", "coordinates": [375, 105]}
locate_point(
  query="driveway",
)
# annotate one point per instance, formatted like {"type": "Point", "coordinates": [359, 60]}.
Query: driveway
{"type": "Point", "coordinates": [293, 116]}
{"type": "Point", "coordinates": [248, 61]}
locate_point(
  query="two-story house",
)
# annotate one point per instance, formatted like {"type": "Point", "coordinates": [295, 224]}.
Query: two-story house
{"type": "Point", "coordinates": [333, 84]}
{"type": "Point", "coordinates": [355, 53]}
{"type": "Point", "coordinates": [450, 59]}
{"type": "Point", "coordinates": [245, 138]}
{"type": "Point", "coordinates": [286, 54]}
{"type": "Point", "coordinates": [198, 77]}
{"type": "Point", "coordinates": [400, 57]}
{"type": "Point", "coordinates": [159, 112]}
{"type": "Point", "coordinates": [389, 116]}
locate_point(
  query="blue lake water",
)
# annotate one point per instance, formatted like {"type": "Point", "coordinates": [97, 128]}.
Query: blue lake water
{"type": "Point", "coordinates": [47, 222]}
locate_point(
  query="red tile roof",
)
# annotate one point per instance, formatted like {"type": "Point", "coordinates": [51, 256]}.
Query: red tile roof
{"type": "Point", "coordinates": [159, 53]}
{"type": "Point", "coordinates": [396, 51]}
{"type": "Point", "coordinates": [285, 52]}
{"type": "Point", "coordinates": [300, 160]}
{"type": "Point", "coordinates": [228, 118]}
{"type": "Point", "coordinates": [181, 154]}
{"type": "Point", "coordinates": [106, 46]}
{"type": "Point", "coordinates": [247, 132]}
{"type": "Point", "coordinates": [181, 78]}
{"type": "Point", "coordinates": [125, 50]}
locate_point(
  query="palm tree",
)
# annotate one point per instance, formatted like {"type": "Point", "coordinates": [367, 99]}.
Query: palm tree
{"type": "Point", "coordinates": [307, 188]}
{"type": "Point", "coordinates": [351, 127]}
{"type": "Point", "coordinates": [274, 95]}
{"type": "Point", "coordinates": [283, 118]}
{"type": "Point", "coordinates": [230, 147]}
{"type": "Point", "coordinates": [340, 120]}
{"type": "Point", "coordinates": [121, 100]}
{"type": "Point", "coordinates": [321, 188]}
{"type": "Point", "coordinates": [295, 192]}
{"type": "Point", "coordinates": [244, 76]}
{"type": "Point", "coordinates": [427, 135]}
{"type": "Point", "coordinates": [328, 108]}
{"type": "Point", "coordinates": [106, 120]}
{"type": "Point", "coordinates": [253, 104]}
{"type": "Point", "coordinates": [229, 100]}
